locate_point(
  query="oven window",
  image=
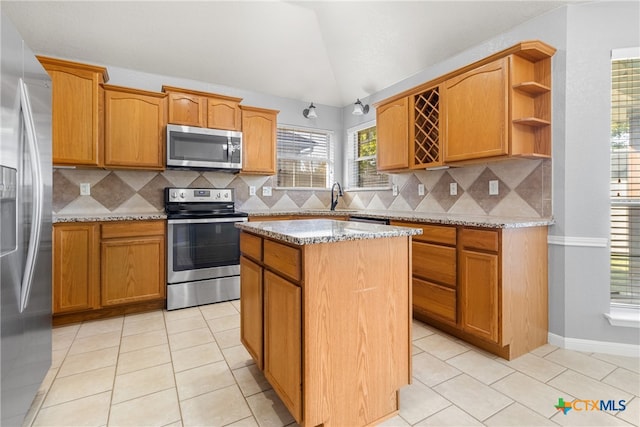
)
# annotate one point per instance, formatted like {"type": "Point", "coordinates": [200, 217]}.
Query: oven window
{"type": "Point", "coordinates": [197, 246]}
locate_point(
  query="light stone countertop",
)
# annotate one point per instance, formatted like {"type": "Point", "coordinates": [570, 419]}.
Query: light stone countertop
{"type": "Point", "coordinates": [312, 231]}
{"type": "Point", "coordinates": [488, 221]}
{"type": "Point", "coordinates": [108, 217]}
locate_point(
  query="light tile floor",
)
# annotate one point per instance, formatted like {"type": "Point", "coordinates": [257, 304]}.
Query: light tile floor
{"type": "Point", "coordinates": [188, 368]}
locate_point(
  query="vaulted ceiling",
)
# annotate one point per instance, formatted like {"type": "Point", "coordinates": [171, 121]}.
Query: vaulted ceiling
{"type": "Point", "coordinates": [329, 52]}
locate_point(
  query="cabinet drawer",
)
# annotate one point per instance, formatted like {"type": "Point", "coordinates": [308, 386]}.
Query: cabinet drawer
{"type": "Point", "coordinates": [434, 262]}
{"type": "Point", "coordinates": [430, 298]}
{"type": "Point", "coordinates": [480, 239]}
{"type": "Point", "coordinates": [132, 229]}
{"type": "Point", "coordinates": [282, 258]}
{"type": "Point", "coordinates": [436, 234]}
{"type": "Point", "coordinates": [251, 246]}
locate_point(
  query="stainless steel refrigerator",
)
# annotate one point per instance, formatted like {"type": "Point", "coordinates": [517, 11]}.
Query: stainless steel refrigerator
{"type": "Point", "coordinates": [25, 226]}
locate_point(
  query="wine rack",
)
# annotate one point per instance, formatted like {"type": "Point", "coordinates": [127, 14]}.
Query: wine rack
{"type": "Point", "coordinates": [425, 130]}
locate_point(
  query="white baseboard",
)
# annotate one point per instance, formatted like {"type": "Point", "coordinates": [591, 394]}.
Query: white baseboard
{"type": "Point", "coordinates": [590, 346]}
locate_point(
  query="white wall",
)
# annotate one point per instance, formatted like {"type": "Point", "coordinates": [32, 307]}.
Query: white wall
{"type": "Point", "coordinates": [584, 35]}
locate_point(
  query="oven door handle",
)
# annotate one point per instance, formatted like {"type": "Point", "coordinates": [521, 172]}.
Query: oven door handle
{"type": "Point", "coordinates": [206, 220]}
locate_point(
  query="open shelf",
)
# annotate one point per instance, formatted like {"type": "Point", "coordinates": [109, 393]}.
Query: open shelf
{"type": "Point", "coordinates": [532, 88]}
{"type": "Point", "coordinates": [532, 121]}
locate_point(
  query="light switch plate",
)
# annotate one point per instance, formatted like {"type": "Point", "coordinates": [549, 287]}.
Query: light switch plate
{"type": "Point", "coordinates": [420, 189]}
{"type": "Point", "coordinates": [266, 191]}
{"type": "Point", "coordinates": [493, 187]}
{"type": "Point", "coordinates": [85, 189]}
{"type": "Point", "coordinates": [394, 189]}
{"type": "Point", "coordinates": [252, 190]}
{"type": "Point", "coordinates": [453, 189]}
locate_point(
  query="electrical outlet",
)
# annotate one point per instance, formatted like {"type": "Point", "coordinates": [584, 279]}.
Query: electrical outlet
{"type": "Point", "coordinates": [266, 191]}
{"type": "Point", "coordinates": [453, 189]}
{"type": "Point", "coordinates": [493, 187]}
{"type": "Point", "coordinates": [394, 190]}
{"type": "Point", "coordinates": [85, 189]}
{"type": "Point", "coordinates": [420, 189]}
{"type": "Point", "coordinates": [252, 190]}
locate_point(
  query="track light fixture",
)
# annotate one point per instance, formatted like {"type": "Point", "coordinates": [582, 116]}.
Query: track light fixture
{"type": "Point", "coordinates": [310, 113]}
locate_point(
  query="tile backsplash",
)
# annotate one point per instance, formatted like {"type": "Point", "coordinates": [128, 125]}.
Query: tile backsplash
{"type": "Point", "coordinates": [524, 190]}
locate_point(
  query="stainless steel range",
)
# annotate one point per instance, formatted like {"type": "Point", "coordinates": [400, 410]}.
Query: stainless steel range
{"type": "Point", "coordinates": [203, 246]}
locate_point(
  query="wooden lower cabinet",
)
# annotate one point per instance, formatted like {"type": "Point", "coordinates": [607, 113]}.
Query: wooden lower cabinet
{"type": "Point", "coordinates": [107, 269]}
{"type": "Point", "coordinates": [133, 262]}
{"type": "Point", "coordinates": [251, 309]}
{"type": "Point", "coordinates": [76, 267]}
{"type": "Point", "coordinates": [283, 340]}
{"type": "Point", "coordinates": [486, 286]}
{"type": "Point", "coordinates": [336, 337]}
{"type": "Point", "coordinates": [479, 288]}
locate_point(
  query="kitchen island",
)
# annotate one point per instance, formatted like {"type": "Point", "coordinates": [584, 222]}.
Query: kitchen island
{"type": "Point", "coordinates": [326, 315]}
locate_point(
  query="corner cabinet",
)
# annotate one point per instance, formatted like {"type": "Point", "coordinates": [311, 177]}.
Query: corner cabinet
{"type": "Point", "coordinates": [135, 123]}
{"type": "Point", "coordinates": [495, 108]}
{"type": "Point", "coordinates": [77, 121]}
{"type": "Point", "coordinates": [203, 109]}
{"type": "Point", "coordinates": [259, 127]}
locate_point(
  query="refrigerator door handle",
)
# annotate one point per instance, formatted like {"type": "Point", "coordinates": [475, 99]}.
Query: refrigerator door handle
{"type": "Point", "coordinates": [34, 156]}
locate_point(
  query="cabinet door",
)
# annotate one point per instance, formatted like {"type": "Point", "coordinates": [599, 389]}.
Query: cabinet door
{"type": "Point", "coordinates": [76, 267]}
{"type": "Point", "coordinates": [479, 293]}
{"type": "Point", "coordinates": [282, 341]}
{"type": "Point", "coordinates": [187, 109]}
{"type": "Point", "coordinates": [76, 112]}
{"type": "Point", "coordinates": [393, 135]}
{"type": "Point", "coordinates": [134, 128]}
{"type": "Point", "coordinates": [223, 114]}
{"type": "Point", "coordinates": [133, 267]}
{"type": "Point", "coordinates": [251, 325]}
{"type": "Point", "coordinates": [475, 113]}
{"type": "Point", "coordinates": [259, 141]}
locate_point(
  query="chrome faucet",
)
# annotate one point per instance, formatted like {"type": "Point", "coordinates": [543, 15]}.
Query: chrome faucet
{"type": "Point", "coordinates": [334, 200]}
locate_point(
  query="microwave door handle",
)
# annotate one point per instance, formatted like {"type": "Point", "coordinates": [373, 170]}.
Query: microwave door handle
{"type": "Point", "coordinates": [37, 196]}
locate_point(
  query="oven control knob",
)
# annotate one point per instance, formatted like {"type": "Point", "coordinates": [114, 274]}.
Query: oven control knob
{"type": "Point", "coordinates": [217, 195]}
{"type": "Point", "coordinates": [182, 194]}
{"type": "Point", "coordinates": [174, 195]}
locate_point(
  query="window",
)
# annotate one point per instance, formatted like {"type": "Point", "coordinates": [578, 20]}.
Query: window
{"type": "Point", "coordinates": [625, 177]}
{"type": "Point", "coordinates": [305, 158]}
{"type": "Point", "coordinates": [361, 160]}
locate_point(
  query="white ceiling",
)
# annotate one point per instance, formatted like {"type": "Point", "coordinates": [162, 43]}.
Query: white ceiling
{"type": "Point", "coordinates": [329, 52]}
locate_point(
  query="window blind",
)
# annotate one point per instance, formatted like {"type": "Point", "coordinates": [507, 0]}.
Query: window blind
{"type": "Point", "coordinates": [625, 179]}
{"type": "Point", "coordinates": [305, 158]}
{"type": "Point", "coordinates": [361, 160]}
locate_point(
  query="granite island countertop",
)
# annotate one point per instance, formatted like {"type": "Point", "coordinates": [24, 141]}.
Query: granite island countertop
{"type": "Point", "coordinates": [312, 231]}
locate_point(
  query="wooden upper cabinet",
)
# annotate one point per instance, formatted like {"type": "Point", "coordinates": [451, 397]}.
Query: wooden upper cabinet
{"type": "Point", "coordinates": [77, 121]}
{"type": "Point", "coordinates": [393, 133]}
{"type": "Point", "coordinates": [259, 128]}
{"type": "Point", "coordinates": [186, 109]}
{"type": "Point", "coordinates": [496, 107]}
{"type": "Point", "coordinates": [224, 113]}
{"type": "Point", "coordinates": [475, 113]}
{"type": "Point", "coordinates": [135, 122]}
{"type": "Point", "coordinates": [203, 109]}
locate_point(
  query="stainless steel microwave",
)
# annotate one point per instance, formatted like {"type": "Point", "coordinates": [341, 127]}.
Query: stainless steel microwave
{"type": "Point", "coordinates": [194, 147]}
